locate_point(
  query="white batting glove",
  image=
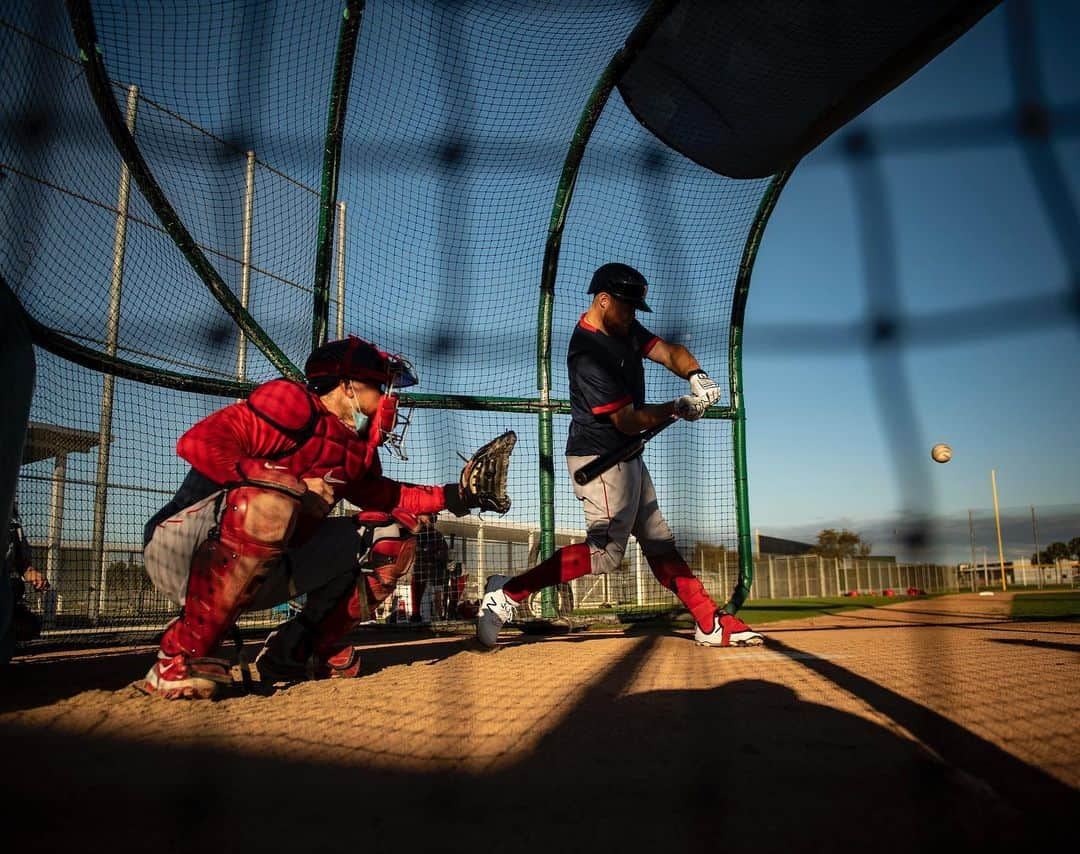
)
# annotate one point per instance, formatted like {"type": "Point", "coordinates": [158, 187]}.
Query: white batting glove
{"type": "Point", "coordinates": [690, 407]}
{"type": "Point", "coordinates": [702, 385]}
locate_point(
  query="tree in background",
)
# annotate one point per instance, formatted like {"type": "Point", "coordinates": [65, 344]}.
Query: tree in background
{"type": "Point", "coordinates": [842, 543]}
{"type": "Point", "coordinates": [709, 556]}
{"type": "Point", "coordinates": [1074, 548]}
{"type": "Point", "coordinates": [1057, 551]}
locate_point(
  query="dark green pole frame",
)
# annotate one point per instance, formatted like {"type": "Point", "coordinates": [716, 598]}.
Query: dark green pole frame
{"type": "Point", "coordinates": [82, 25]}
{"type": "Point", "coordinates": [738, 402]}
{"type": "Point", "coordinates": [563, 196]}
{"type": "Point", "coordinates": [335, 131]}
{"type": "Point", "coordinates": [62, 346]}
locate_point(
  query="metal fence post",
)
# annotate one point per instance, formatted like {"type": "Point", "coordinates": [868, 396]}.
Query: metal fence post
{"type": "Point", "coordinates": [772, 580]}
{"type": "Point", "coordinates": [245, 260]}
{"type": "Point", "coordinates": [638, 580]}
{"type": "Point", "coordinates": [112, 335]}
{"type": "Point", "coordinates": [340, 327]}
{"type": "Point", "coordinates": [55, 535]}
{"type": "Point", "coordinates": [481, 560]}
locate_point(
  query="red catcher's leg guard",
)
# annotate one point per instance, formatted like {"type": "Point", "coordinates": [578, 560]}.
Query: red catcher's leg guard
{"type": "Point", "coordinates": [340, 621]}
{"type": "Point", "coordinates": [671, 571]}
{"type": "Point", "coordinates": [317, 632]}
{"type": "Point", "coordinates": [227, 571]}
{"type": "Point", "coordinates": [390, 558]}
{"type": "Point", "coordinates": [565, 565]}
{"type": "Point", "coordinates": [298, 650]}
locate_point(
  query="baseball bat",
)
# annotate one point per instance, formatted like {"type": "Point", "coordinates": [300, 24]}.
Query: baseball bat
{"type": "Point", "coordinates": [595, 468]}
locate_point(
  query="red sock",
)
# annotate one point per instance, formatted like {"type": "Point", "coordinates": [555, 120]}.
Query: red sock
{"type": "Point", "coordinates": [566, 564]}
{"type": "Point", "coordinates": [671, 571]}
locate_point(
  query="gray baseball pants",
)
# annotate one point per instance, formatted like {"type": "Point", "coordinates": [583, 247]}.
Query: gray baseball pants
{"type": "Point", "coordinates": [620, 502]}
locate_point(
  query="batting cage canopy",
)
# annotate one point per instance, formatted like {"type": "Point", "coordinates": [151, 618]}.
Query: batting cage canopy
{"type": "Point", "coordinates": [748, 87]}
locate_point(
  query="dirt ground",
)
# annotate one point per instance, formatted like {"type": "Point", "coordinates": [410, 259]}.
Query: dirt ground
{"type": "Point", "coordinates": [930, 722]}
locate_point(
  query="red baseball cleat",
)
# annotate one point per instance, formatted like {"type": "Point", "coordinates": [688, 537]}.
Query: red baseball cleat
{"type": "Point", "coordinates": [728, 630]}
{"type": "Point", "coordinates": [178, 677]}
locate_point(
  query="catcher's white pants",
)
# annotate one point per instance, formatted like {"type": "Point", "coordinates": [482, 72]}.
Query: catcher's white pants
{"type": "Point", "coordinates": [331, 552]}
{"type": "Point", "coordinates": [620, 502]}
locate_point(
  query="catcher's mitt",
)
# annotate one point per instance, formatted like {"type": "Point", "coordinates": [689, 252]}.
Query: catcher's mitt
{"type": "Point", "coordinates": [483, 479]}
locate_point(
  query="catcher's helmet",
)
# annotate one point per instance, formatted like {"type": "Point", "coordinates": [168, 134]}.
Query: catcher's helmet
{"type": "Point", "coordinates": [622, 282]}
{"type": "Point", "coordinates": [357, 359]}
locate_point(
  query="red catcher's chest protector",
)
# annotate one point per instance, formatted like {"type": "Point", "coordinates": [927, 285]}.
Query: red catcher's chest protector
{"type": "Point", "coordinates": [327, 447]}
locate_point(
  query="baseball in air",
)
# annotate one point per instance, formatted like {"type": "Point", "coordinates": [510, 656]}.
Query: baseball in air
{"type": "Point", "coordinates": [941, 453]}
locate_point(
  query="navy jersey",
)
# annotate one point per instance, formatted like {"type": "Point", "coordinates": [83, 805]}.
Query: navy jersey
{"type": "Point", "coordinates": [606, 373]}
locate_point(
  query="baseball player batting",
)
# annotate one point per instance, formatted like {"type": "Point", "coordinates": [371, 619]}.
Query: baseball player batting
{"type": "Point", "coordinates": [607, 403]}
{"type": "Point", "coordinates": [250, 528]}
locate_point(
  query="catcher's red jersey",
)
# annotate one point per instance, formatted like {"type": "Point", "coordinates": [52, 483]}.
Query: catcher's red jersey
{"type": "Point", "coordinates": [285, 423]}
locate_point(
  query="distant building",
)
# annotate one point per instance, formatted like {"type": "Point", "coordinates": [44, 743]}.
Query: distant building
{"type": "Point", "coordinates": [779, 546]}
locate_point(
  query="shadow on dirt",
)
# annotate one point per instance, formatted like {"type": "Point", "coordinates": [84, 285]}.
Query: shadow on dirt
{"type": "Point", "coordinates": [746, 766]}
{"type": "Point", "coordinates": [1037, 643]}
{"type": "Point", "coordinates": [43, 680]}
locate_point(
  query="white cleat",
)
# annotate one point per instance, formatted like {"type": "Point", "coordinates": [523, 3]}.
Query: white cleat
{"type": "Point", "coordinates": [728, 630]}
{"type": "Point", "coordinates": [496, 609]}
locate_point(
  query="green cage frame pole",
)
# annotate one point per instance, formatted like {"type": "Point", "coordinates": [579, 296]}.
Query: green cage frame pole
{"type": "Point", "coordinates": [564, 193]}
{"type": "Point", "coordinates": [82, 26]}
{"type": "Point", "coordinates": [738, 399]}
{"type": "Point", "coordinates": [351, 16]}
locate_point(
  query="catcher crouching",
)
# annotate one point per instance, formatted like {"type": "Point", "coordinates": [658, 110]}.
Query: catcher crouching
{"type": "Point", "coordinates": [249, 527]}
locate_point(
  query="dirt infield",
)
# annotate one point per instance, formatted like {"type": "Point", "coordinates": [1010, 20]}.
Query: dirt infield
{"type": "Point", "coordinates": [938, 721]}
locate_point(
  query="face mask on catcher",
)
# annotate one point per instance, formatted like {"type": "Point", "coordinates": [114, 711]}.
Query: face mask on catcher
{"type": "Point", "coordinates": [359, 419]}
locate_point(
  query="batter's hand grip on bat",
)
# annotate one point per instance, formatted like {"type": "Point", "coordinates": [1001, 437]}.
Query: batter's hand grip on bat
{"type": "Point", "coordinates": [593, 469]}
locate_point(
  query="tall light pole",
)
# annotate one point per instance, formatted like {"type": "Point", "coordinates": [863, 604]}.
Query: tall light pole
{"type": "Point", "coordinates": [971, 536]}
{"type": "Point", "coordinates": [1038, 557]}
{"type": "Point", "coordinates": [997, 522]}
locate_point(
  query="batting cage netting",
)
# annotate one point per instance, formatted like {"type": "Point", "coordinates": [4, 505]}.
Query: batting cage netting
{"type": "Point", "coordinates": [194, 194]}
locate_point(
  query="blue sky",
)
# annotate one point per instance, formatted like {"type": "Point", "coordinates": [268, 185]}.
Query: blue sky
{"type": "Point", "coordinates": [969, 231]}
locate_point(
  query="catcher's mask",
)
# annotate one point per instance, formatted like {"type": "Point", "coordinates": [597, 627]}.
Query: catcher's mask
{"type": "Point", "coordinates": [354, 358]}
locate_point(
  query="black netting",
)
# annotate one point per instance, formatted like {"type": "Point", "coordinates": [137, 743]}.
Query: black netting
{"type": "Point", "coordinates": [458, 120]}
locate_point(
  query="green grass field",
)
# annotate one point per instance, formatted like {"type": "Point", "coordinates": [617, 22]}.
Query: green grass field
{"type": "Point", "coordinates": [1063, 605]}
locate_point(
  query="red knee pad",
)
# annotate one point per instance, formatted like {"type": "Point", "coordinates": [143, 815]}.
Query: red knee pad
{"type": "Point", "coordinates": [392, 550]}
{"type": "Point", "coordinates": [237, 526]}
{"type": "Point", "coordinates": [378, 519]}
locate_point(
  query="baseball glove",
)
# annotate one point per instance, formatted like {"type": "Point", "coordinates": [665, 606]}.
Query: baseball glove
{"type": "Point", "coordinates": [483, 479]}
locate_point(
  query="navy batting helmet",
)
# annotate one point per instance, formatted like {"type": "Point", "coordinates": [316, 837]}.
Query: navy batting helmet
{"type": "Point", "coordinates": [622, 282]}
